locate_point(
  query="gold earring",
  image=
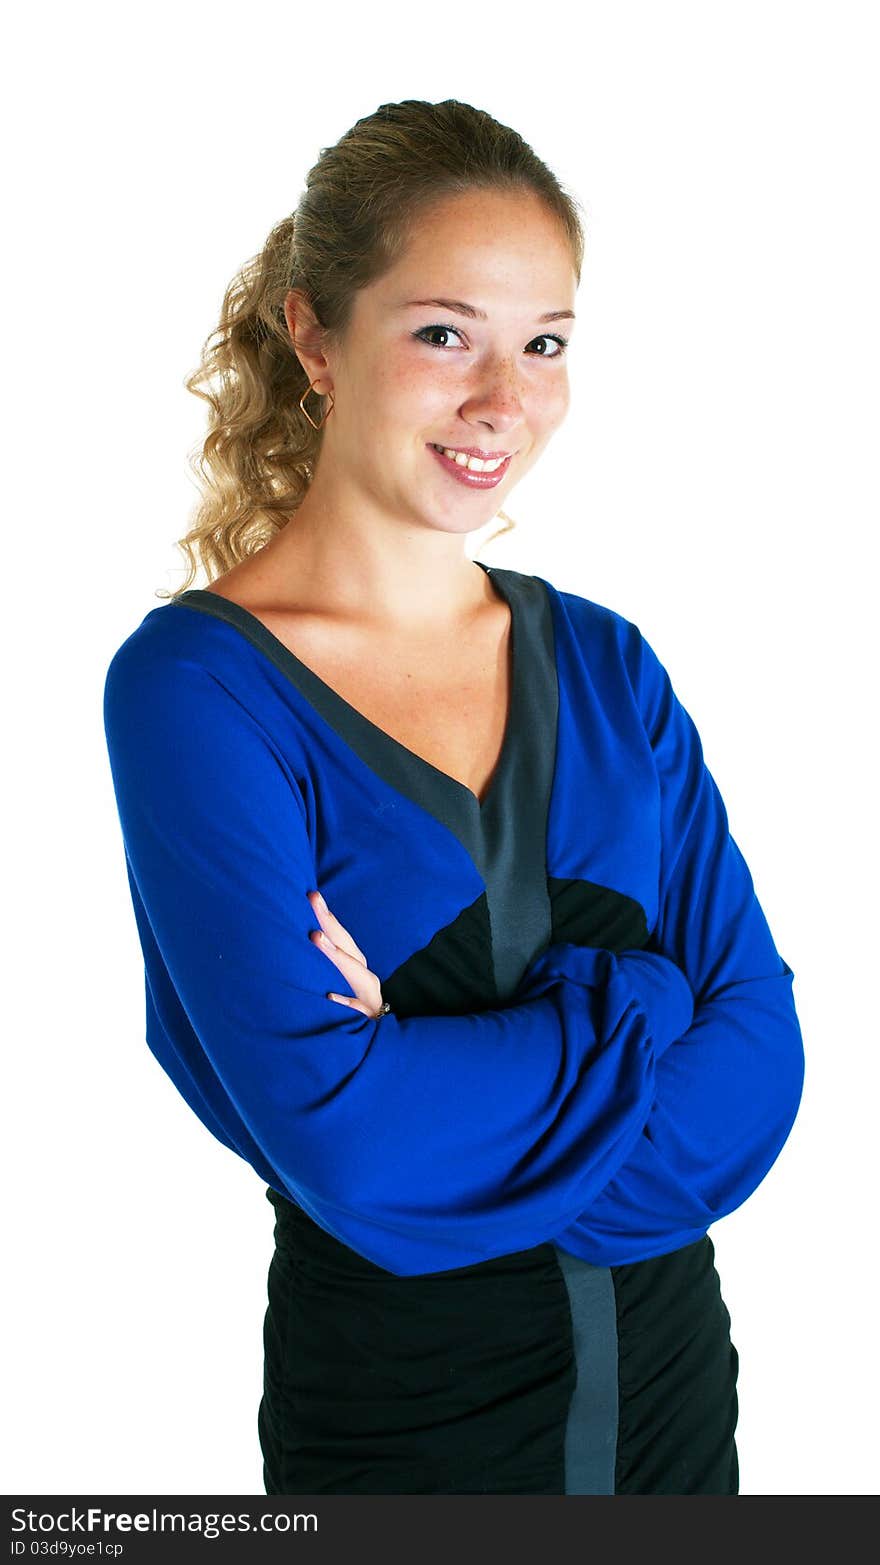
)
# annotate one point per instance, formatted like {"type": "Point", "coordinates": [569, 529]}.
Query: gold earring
{"type": "Point", "coordinates": [310, 387]}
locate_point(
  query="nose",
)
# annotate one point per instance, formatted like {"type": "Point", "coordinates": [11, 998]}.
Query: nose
{"type": "Point", "coordinates": [495, 397]}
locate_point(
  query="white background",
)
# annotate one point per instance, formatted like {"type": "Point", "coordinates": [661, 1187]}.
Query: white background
{"type": "Point", "coordinates": [716, 482]}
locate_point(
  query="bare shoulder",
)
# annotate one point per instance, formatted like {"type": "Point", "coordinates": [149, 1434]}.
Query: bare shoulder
{"type": "Point", "coordinates": [239, 585]}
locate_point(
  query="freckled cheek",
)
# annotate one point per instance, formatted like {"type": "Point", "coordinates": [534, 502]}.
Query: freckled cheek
{"type": "Point", "coordinates": [543, 416]}
{"type": "Point", "coordinates": [554, 405]}
{"type": "Point", "coordinates": [407, 387]}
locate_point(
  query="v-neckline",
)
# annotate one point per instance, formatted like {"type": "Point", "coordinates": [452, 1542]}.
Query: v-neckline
{"type": "Point", "coordinates": [251, 626]}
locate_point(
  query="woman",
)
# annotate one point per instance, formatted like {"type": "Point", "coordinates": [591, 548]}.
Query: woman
{"type": "Point", "coordinates": [536, 1036]}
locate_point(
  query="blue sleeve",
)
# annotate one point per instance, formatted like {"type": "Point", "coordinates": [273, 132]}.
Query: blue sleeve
{"type": "Point", "coordinates": [727, 1091]}
{"type": "Point", "coordinates": [422, 1142]}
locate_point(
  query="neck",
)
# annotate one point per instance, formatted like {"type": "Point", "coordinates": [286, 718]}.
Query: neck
{"type": "Point", "coordinates": [406, 579]}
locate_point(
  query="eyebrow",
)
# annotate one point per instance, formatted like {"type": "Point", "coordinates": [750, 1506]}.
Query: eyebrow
{"type": "Point", "coordinates": [459, 308]}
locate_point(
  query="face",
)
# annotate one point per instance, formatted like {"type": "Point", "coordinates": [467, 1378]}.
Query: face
{"type": "Point", "coordinates": [492, 377]}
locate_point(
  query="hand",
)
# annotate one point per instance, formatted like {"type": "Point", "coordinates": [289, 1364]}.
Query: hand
{"type": "Point", "coordinates": [337, 943]}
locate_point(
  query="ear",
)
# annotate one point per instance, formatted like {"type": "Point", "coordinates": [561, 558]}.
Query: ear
{"type": "Point", "coordinates": [306, 333]}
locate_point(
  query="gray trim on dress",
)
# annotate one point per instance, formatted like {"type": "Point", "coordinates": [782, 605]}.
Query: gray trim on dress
{"type": "Point", "coordinates": [593, 1414]}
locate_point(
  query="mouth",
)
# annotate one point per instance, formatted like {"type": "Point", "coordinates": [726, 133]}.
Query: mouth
{"type": "Point", "coordinates": [477, 472]}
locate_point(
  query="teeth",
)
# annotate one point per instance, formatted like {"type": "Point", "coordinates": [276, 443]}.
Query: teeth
{"type": "Point", "coordinates": [473, 463]}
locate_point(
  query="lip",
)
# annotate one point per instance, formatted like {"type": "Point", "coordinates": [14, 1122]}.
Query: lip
{"type": "Point", "coordinates": [485, 456]}
{"type": "Point", "coordinates": [472, 480]}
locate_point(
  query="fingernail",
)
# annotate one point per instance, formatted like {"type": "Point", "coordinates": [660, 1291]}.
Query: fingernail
{"type": "Point", "coordinates": [320, 899]}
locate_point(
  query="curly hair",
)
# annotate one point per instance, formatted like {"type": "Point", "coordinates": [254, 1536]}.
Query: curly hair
{"type": "Point", "coordinates": [361, 200]}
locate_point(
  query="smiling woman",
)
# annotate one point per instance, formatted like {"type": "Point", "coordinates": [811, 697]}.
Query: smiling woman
{"type": "Point", "coordinates": [411, 391]}
{"type": "Point", "coordinates": [358, 760]}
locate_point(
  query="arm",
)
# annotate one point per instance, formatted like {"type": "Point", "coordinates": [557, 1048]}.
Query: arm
{"type": "Point", "coordinates": [727, 1091]}
{"type": "Point", "coordinates": [425, 1142]}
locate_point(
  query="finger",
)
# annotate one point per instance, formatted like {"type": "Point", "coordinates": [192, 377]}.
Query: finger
{"type": "Point", "coordinates": [353, 1005]}
{"type": "Point", "coordinates": [366, 985]}
{"type": "Point", "coordinates": [351, 967]}
{"type": "Point", "coordinates": [332, 927]}
{"type": "Point", "coordinates": [339, 934]}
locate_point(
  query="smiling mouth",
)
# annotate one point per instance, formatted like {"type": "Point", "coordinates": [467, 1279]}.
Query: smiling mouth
{"type": "Point", "coordinates": [471, 472]}
{"type": "Point", "coordinates": [473, 464]}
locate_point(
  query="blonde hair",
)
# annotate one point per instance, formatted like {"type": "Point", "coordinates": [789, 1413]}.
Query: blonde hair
{"type": "Point", "coordinates": [361, 199]}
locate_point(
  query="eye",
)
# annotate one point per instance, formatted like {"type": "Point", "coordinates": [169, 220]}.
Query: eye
{"type": "Point", "coordinates": [562, 342]}
{"type": "Point", "coordinates": [420, 334]}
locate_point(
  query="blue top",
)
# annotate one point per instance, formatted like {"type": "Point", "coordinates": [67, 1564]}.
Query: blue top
{"type": "Point", "coordinates": [593, 1037]}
